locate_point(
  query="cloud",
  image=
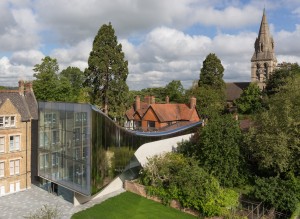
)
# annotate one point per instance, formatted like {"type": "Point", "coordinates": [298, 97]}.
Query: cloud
{"type": "Point", "coordinates": [75, 56]}
{"type": "Point", "coordinates": [10, 74]}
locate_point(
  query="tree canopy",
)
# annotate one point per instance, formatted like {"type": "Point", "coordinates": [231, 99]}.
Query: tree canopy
{"type": "Point", "coordinates": [250, 100]}
{"type": "Point", "coordinates": [279, 76]}
{"type": "Point", "coordinates": [46, 84]}
{"type": "Point", "coordinates": [50, 85]}
{"type": "Point", "coordinates": [211, 73]}
{"type": "Point", "coordinates": [107, 73]}
{"type": "Point", "coordinates": [274, 141]}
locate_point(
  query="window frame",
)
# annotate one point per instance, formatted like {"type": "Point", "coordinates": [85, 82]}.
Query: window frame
{"type": "Point", "coordinates": [7, 121]}
{"type": "Point", "coordinates": [2, 145]}
{"type": "Point", "coordinates": [13, 168]}
{"type": "Point", "coordinates": [14, 148]}
{"type": "Point", "coordinates": [2, 169]}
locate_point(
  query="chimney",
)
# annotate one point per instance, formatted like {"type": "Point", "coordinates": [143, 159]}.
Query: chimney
{"type": "Point", "coordinates": [192, 102]}
{"type": "Point", "coordinates": [28, 87]}
{"type": "Point", "coordinates": [137, 103]}
{"type": "Point", "coordinates": [21, 87]}
{"type": "Point", "coordinates": [152, 100]}
{"type": "Point", "coordinates": [167, 99]}
{"type": "Point", "coordinates": [147, 99]}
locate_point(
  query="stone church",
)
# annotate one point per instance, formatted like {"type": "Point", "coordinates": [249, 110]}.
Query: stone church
{"type": "Point", "coordinates": [263, 62]}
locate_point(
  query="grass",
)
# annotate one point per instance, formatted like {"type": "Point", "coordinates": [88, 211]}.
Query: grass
{"type": "Point", "coordinates": [130, 206]}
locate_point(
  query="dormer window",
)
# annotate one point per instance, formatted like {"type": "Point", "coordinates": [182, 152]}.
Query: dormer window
{"type": "Point", "coordinates": [7, 121]}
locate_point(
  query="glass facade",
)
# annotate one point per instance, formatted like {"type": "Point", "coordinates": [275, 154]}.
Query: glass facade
{"type": "Point", "coordinates": [83, 150]}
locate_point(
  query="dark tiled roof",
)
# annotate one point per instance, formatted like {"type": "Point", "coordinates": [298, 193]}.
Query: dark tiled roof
{"type": "Point", "coordinates": [32, 104]}
{"type": "Point", "coordinates": [235, 89]}
{"type": "Point", "coordinates": [25, 104]}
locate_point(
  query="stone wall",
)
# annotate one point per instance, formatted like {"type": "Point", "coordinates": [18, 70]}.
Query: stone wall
{"type": "Point", "coordinates": [140, 190]}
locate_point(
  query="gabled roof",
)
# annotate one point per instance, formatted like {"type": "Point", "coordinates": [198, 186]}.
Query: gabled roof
{"type": "Point", "coordinates": [131, 112]}
{"type": "Point", "coordinates": [172, 112]}
{"type": "Point", "coordinates": [235, 89]}
{"type": "Point", "coordinates": [25, 104]}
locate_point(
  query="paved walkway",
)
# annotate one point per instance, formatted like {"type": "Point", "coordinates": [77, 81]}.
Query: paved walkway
{"type": "Point", "coordinates": [24, 203]}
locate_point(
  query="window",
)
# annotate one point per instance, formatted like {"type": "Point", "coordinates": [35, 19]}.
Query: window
{"type": "Point", "coordinates": [55, 137]}
{"type": "Point", "coordinates": [50, 118]}
{"type": "Point", "coordinates": [55, 159]}
{"type": "Point", "coordinates": [14, 142]}
{"type": "Point", "coordinates": [17, 186]}
{"type": "Point", "coordinates": [7, 121]}
{"type": "Point", "coordinates": [14, 167]}
{"type": "Point", "coordinates": [11, 187]}
{"type": "Point", "coordinates": [2, 143]}
{"type": "Point", "coordinates": [76, 134]}
{"type": "Point", "coordinates": [77, 153]}
{"type": "Point", "coordinates": [151, 124]}
{"type": "Point", "coordinates": [2, 190]}
{"type": "Point", "coordinates": [2, 169]}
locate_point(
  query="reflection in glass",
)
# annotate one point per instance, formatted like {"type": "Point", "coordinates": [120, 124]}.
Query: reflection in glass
{"type": "Point", "coordinates": [83, 150]}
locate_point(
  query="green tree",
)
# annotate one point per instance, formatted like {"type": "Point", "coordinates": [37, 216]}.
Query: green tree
{"type": "Point", "coordinates": [175, 91]}
{"type": "Point", "coordinates": [107, 73]}
{"type": "Point", "coordinates": [279, 76]}
{"type": "Point", "coordinates": [282, 194]}
{"type": "Point", "coordinates": [250, 100]}
{"type": "Point", "coordinates": [274, 140]}
{"type": "Point", "coordinates": [46, 83]}
{"type": "Point", "coordinates": [75, 77]}
{"type": "Point", "coordinates": [211, 73]}
{"type": "Point", "coordinates": [217, 147]}
{"type": "Point", "coordinates": [211, 102]}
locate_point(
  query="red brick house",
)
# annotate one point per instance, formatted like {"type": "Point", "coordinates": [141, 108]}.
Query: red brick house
{"type": "Point", "coordinates": [151, 116]}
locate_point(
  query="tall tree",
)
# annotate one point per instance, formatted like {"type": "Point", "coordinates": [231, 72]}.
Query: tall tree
{"type": "Point", "coordinates": [211, 73]}
{"type": "Point", "coordinates": [107, 73]}
{"type": "Point", "coordinates": [75, 77]}
{"type": "Point", "coordinates": [46, 83]}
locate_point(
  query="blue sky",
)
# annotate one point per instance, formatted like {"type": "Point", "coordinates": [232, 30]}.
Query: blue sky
{"type": "Point", "coordinates": [163, 40]}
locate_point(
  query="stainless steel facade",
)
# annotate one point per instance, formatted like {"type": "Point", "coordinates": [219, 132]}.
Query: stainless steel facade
{"type": "Point", "coordinates": [83, 150]}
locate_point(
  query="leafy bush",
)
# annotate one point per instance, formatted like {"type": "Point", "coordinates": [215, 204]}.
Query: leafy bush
{"type": "Point", "coordinates": [172, 176]}
{"type": "Point", "coordinates": [282, 194]}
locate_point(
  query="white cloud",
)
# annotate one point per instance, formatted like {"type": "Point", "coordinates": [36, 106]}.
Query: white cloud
{"type": "Point", "coordinates": [10, 74]}
{"type": "Point", "coordinates": [26, 57]}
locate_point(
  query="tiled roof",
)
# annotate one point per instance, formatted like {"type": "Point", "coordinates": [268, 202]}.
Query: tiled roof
{"type": "Point", "coordinates": [235, 89]}
{"type": "Point", "coordinates": [25, 104]}
{"type": "Point", "coordinates": [143, 108]}
{"type": "Point", "coordinates": [172, 112]}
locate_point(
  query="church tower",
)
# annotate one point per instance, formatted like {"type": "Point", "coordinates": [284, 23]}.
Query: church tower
{"type": "Point", "coordinates": [263, 61]}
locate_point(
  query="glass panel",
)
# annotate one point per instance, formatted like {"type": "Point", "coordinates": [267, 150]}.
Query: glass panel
{"type": "Point", "coordinates": [17, 142]}
{"type": "Point", "coordinates": [1, 144]}
{"type": "Point", "coordinates": [85, 149]}
{"type": "Point", "coordinates": [17, 166]}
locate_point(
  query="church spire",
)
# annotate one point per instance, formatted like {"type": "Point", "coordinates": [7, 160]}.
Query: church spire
{"type": "Point", "coordinates": [263, 60]}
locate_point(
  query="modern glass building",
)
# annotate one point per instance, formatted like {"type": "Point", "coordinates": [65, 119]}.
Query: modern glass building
{"type": "Point", "coordinates": [82, 150]}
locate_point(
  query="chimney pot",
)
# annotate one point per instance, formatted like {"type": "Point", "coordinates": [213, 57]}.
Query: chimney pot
{"type": "Point", "coordinates": [21, 87]}
{"type": "Point", "coordinates": [137, 103]}
{"type": "Point", "coordinates": [167, 99]}
{"type": "Point", "coordinates": [193, 102]}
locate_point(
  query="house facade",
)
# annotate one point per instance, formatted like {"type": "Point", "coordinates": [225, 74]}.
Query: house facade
{"type": "Point", "coordinates": [151, 116]}
{"type": "Point", "coordinates": [18, 108]}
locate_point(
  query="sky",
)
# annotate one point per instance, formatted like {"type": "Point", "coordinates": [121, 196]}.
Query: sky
{"type": "Point", "coordinates": [163, 40]}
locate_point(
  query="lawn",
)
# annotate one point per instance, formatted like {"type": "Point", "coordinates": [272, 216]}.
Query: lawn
{"type": "Point", "coordinates": [130, 206]}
